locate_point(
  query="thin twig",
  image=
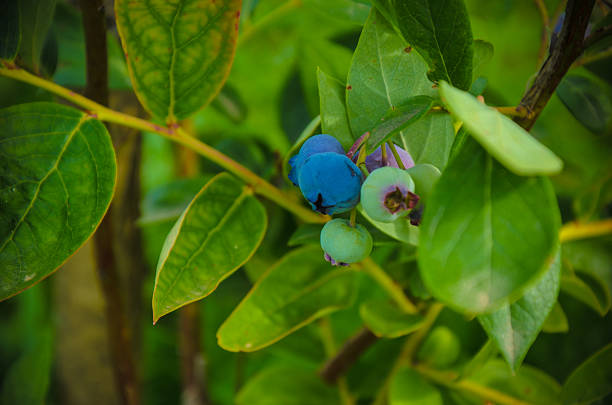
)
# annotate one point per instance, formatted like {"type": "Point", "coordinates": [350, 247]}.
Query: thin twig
{"type": "Point", "coordinates": [389, 285]}
{"type": "Point", "coordinates": [593, 57]}
{"type": "Point", "coordinates": [545, 36]}
{"type": "Point", "coordinates": [577, 230]}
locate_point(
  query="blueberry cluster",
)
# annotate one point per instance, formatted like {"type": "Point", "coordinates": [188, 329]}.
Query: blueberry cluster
{"type": "Point", "coordinates": [333, 183]}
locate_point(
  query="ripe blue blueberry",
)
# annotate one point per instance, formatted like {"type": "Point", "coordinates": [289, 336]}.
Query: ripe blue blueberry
{"type": "Point", "coordinates": [344, 244]}
{"type": "Point", "coordinates": [316, 144]}
{"type": "Point", "coordinates": [330, 182]}
{"type": "Point", "coordinates": [374, 160]}
{"type": "Point", "coordinates": [388, 194]}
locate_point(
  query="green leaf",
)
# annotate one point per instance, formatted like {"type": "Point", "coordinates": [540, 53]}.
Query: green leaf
{"type": "Point", "coordinates": [218, 232]}
{"type": "Point", "coordinates": [384, 74]}
{"type": "Point", "coordinates": [589, 99]}
{"type": "Point", "coordinates": [589, 289]}
{"type": "Point", "coordinates": [440, 31]}
{"type": "Point", "coordinates": [179, 54]}
{"type": "Point", "coordinates": [440, 349]}
{"type": "Point", "coordinates": [57, 176]}
{"type": "Point", "coordinates": [344, 10]}
{"type": "Point", "coordinates": [10, 33]}
{"type": "Point", "coordinates": [409, 388]}
{"type": "Point", "coordinates": [306, 233]}
{"type": "Point", "coordinates": [486, 353]}
{"type": "Point", "coordinates": [556, 322]}
{"type": "Point", "coordinates": [514, 327]}
{"type": "Point", "coordinates": [430, 139]}
{"type": "Point", "coordinates": [400, 229]}
{"type": "Point", "coordinates": [385, 319]}
{"type": "Point", "coordinates": [591, 381]}
{"type": "Point", "coordinates": [510, 144]}
{"type": "Point", "coordinates": [288, 386]}
{"type": "Point", "coordinates": [36, 17]}
{"type": "Point", "coordinates": [298, 289]}
{"type": "Point", "coordinates": [486, 233]}
{"type": "Point", "coordinates": [483, 53]}
{"type": "Point", "coordinates": [398, 118]}
{"type": "Point", "coordinates": [334, 120]}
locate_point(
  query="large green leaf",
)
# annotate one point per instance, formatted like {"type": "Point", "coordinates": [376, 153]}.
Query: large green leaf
{"type": "Point", "coordinates": [334, 120]}
{"type": "Point", "coordinates": [410, 388]}
{"type": "Point", "coordinates": [486, 233]}
{"type": "Point", "coordinates": [401, 229]}
{"type": "Point", "coordinates": [36, 17]}
{"type": "Point", "coordinates": [589, 99]}
{"type": "Point", "coordinates": [440, 30]}
{"type": "Point", "coordinates": [386, 320]}
{"type": "Point", "coordinates": [592, 380]}
{"type": "Point", "coordinates": [57, 176]}
{"type": "Point", "coordinates": [384, 74]}
{"type": "Point", "coordinates": [298, 289]}
{"type": "Point", "coordinates": [430, 139]}
{"type": "Point", "coordinates": [10, 33]}
{"type": "Point", "coordinates": [217, 233]}
{"type": "Point", "coordinates": [287, 386]}
{"type": "Point", "coordinates": [179, 54]}
{"type": "Point", "coordinates": [499, 135]}
{"type": "Point", "coordinates": [514, 327]}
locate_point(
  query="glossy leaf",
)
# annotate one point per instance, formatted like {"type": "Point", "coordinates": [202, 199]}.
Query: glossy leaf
{"type": "Point", "coordinates": [36, 17]}
{"type": "Point", "coordinates": [514, 327]}
{"type": "Point", "coordinates": [386, 320]}
{"type": "Point", "coordinates": [298, 289]}
{"type": "Point", "coordinates": [288, 386]}
{"type": "Point", "coordinates": [430, 139]}
{"type": "Point", "coordinates": [398, 118]}
{"type": "Point", "coordinates": [591, 381]}
{"type": "Point", "coordinates": [10, 30]}
{"type": "Point", "coordinates": [408, 387]}
{"type": "Point", "coordinates": [400, 229]}
{"type": "Point", "coordinates": [179, 54]}
{"type": "Point", "coordinates": [589, 289]}
{"type": "Point", "coordinates": [440, 31]}
{"type": "Point", "coordinates": [57, 175]}
{"type": "Point", "coordinates": [556, 322]}
{"type": "Point", "coordinates": [589, 100]}
{"type": "Point", "coordinates": [504, 139]}
{"type": "Point", "coordinates": [384, 74]}
{"type": "Point", "coordinates": [486, 233]}
{"type": "Point", "coordinates": [334, 120]}
{"type": "Point", "coordinates": [217, 233]}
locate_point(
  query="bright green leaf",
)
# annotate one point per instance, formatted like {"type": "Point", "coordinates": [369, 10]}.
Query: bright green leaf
{"type": "Point", "coordinates": [334, 120]}
{"type": "Point", "coordinates": [10, 33]}
{"type": "Point", "coordinates": [483, 53]}
{"type": "Point", "coordinates": [57, 175]}
{"type": "Point", "coordinates": [486, 233]}
{"type": "Point", "coordinates": [430, 139]}
{"type": "Point", "coordinates": [384, 74]}
{"type": "Point", "coordinates": [440, 31]}
{"type": "Point", "coordinates": [287, 386]}
{"type": "Point", "coordinates": [36, 18]}
{"type": "Point", "coordinates": [515, 327]}
{"type": "Point", "coordinates": [510, 144]}
{"type": "Point", "coordinates": [440, 349]}
{"type": "Point", "coordinates": [592, 380]}
{"type": "Point", "coordinates": [217, 233]}
{"type": "Point", "coordinates": [486, 353]}
{"type": "Point", "coordinates": [179, 54]}
{"type": "Point", "coordinates": [589, 99]}
{"type": "Point", "coordinates": [386, 320]}
{"type": "Point", "coordinates": [401, 229]}
{"type": "Point", "coordinates": [398, 118]}
{"type": "Point", "coordinates": [556, 322]}
{"type": "Point", "coordinates": [298, 289]}
{"type": "Point", "coordinates": [589, 289]}
{"type": "Point", "coordinates": [410, 388]}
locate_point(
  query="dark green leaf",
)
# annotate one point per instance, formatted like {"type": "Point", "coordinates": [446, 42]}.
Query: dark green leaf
{"type": "Point", "coordinates": [589, 289]}
{"type": "Point", "coordinates": [398, 118]}
{"type": "Point", "coordinates": [515, 327]}
{"type": "Point", "coordinates": [510, 144]}
{"type": "Point", "coordinates": [57, 175]}
{"type": "Point", "coordinates": [589, 99]}
{"type": "Point", "coordinates": [217, 233]}
{"type": "Point", "coordinates": [440, 31]}
{"type": "Point", "coordinates": [179, 54]}
{"type": "Point", "coordinates": [386, 320]}
{"type": "Point", "coordinates": [287, 386]}
{"type": "Point", "coordinates": [306, 233]}
{"type": "Point", "coordinates": [429, 140]}
{"type": "Point", "coordinates": [36, 18]}
{"type": "Point", "coordinates": [486, 233]}
{"type": "Point", "coordinates": [556, 321]}
{"type": "Point", "coordinates": [300, 288]}
{"type": "Point", "coordinates": [592, 380]}
{"type": "Point", "coordinates": [384, 74]}
{"type": "Point", "coordinates": [483, 53]}
{"type": "Point", "coordinates": [409, 388]}
{"type": "Point", "coordinates": [10, 33]}
{"type": "Point", "coordinates": [334, 120]}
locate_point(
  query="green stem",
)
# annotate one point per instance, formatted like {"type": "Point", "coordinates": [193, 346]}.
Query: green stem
{"type": "Point", "coordinates": [259, 185]}
{"type": "Point", "coordinates": [400, 164]}
{"type": "Point", "coordinates": [390, 286]}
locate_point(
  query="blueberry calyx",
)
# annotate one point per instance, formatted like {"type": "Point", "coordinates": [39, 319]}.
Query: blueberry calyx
{"type": "Point", "coordinates": [398, 200]}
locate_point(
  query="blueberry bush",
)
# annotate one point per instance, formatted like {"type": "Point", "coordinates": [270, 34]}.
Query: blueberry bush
{"type": "Point", "coordinates": [332, 202]}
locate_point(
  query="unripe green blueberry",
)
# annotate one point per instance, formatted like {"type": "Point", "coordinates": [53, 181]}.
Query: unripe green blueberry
{"type": "Point", "coordinates": [424, 176]}
{"type": "Point", "coordinates": [388, 194]}
{"type": "Point", "coordinates": [344, 244]}
{"type": "Point", "coordinates": [441, 348]}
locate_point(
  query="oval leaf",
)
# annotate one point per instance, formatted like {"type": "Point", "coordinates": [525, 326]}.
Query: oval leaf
{"type": "Point", "coordinates": [588, 99]}
{"type": "Point", "coordinates": [217, 233]}
{"type": "Point", "coordinates": [486, 233]}
{"type": "Point", "coordinates": [510, 144]}
{"type": "Point", "coordinates": [515, 327]}
{"type": "Point", "coordinates": [57, 177]}
{"type": "Point", "coordinates": [386, 320]}
{"type": "Point", "coordinates": [591, 380]}
{"type": "Point", "coordinates": [10, 34]}
{"type": "Point", "coordinates": [180, 53]}
{"type": "Point", "coordinates": [36, 17]}
{"type": "Point", "coordinates": [300, 288]}
{"type": "Point", "coordinates": [430, 139]}
{"type": "Point", "coordinates": [334, 120]}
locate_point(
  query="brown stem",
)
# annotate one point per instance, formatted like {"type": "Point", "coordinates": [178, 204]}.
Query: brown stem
{"type": "Point", "coordinates": [192, 361]}
{"type": "Point", "coordinates": [347, 355]}
{"type": "Point", "coordinates": [566, 50]}
{"type": "Point", "coordinates": [119, 332]}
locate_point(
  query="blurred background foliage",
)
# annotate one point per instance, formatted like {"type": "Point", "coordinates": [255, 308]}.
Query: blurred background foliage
{"type": "Point", "coordinates": [52, 337]}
